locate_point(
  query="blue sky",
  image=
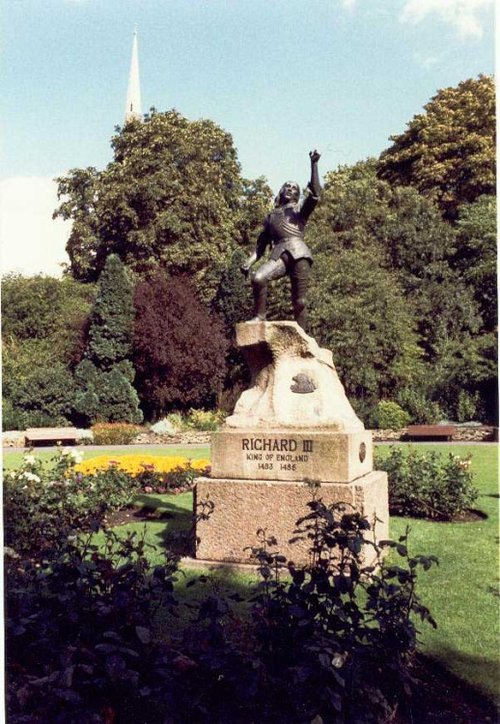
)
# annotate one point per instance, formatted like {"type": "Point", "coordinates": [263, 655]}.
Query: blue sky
{"type": "Point", "coordinates": [281, 77]}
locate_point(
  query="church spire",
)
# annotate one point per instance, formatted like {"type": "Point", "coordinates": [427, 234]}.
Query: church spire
{"type": "Point", "coordinates": [133, 106]}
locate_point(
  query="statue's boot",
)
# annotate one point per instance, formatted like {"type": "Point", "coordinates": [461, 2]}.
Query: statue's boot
{"type": "Point", "coordinates": [259, 301]}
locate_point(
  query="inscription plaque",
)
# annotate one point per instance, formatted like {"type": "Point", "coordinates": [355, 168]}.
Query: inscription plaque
{"type": "Point", "coordinates": [286, 455]}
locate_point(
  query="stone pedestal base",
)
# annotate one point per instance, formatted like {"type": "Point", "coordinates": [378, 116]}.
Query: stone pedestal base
{"type": "Point", "coordinates": [241, 507]}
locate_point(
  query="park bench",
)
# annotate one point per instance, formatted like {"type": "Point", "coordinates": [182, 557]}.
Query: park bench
{"type": "Point", "coordinates": [54, 435]}
{"type": "Point", "coordinates": [430, 432]}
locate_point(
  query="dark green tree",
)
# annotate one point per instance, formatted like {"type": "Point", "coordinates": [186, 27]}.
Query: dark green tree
{"type": "Point", "coordinates": [359, 312]}
{"type": "Point", "coordinates": [105, 376]}
{"type": "Point", "coordinates": [476, 255]}
{"type": "Point", "coordinates": [172, 198]}
{"type": "Point", "coordinates": [448, 152]}
{"type": "Point", "coordinates": [233, 298]}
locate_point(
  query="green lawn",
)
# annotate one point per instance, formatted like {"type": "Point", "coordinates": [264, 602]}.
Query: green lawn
{"type": "Point", "coordinates": [14, 459]}
{"type": "Point", "coordinates": [462, 592]}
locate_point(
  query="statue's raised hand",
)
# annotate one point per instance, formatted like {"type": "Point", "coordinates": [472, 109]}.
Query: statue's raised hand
{"type": "Point", "coordinates": [314, 156]}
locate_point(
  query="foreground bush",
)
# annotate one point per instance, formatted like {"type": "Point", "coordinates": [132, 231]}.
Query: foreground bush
{"type": "Point", "coordinates": [44, 501]}
{"type": "Point", "coordinates": [93, 634]}
{"type": "Point", "coordinates": [424, 484]}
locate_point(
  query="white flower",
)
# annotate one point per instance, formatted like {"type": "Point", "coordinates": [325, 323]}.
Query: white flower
{"type": "Point", "coordinates": [338, 660]}
{"type": "Point", "coordinates": [13, 475]}
{"type": "Point", "coordinates": [29, 459]}
{"type": "Point", "coordinates": [75, 454]}
{"type": "Point", "coordinates": [31, 477]}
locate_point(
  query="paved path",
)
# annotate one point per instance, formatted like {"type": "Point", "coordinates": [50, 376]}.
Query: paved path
{"type": "Point", "coordinates": [156, 446]}
{"type": "Point", "coordinates": [146, 446]}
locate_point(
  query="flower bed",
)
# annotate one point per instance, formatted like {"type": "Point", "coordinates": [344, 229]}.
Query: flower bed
{"type": "Point", "coordinates": [137, 464]}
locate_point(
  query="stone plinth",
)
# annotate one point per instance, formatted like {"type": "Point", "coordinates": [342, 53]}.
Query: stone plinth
{"type": "Point", "coordinates": [294, 382]}
{"type": "Point", "coordinates": [240, 508]}
{"type": "Point", "coordinates": [336, 457]}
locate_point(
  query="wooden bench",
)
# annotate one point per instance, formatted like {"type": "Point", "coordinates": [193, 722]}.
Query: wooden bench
{"type": "Point", "coordinates": [430, 432]}
{"type": "Point", "coordinates": [54, 435]}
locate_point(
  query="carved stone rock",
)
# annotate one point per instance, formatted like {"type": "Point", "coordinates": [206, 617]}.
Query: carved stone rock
{"type": "Point", "coordinates": [294, 382]}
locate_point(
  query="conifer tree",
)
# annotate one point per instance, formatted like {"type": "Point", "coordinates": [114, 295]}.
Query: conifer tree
{"type": "Point", "coordinates": [105, 375]}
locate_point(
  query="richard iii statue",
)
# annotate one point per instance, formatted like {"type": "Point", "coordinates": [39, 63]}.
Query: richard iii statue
{"type": "Point", "coordinates": [284, 232]}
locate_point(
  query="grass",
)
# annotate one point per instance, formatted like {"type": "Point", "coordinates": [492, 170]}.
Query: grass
{"type": "Point", "coordinates": [462, 592]}
{"type": "Point", "coordinates": [14, 459]}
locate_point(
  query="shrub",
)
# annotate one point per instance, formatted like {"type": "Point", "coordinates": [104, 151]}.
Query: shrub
{"type": "Point", "coordinates": [114, 433]}
{"type": "Point", "coordinates": [103, 395]}
{"type": "Point", "coordinates": [104, 378]}
{"type": "Point", "coordinates": [92, 635]}
{"type": "Point", "coordinates": [338, 639]}
{"type": "Point", "coordinates": [423, 484]}
{"type": "Point", "coordinates": [390, 416]}
{"type": "Point", "coordinates": [177, 420]}
{"type": "Point", "coordinates": [12, 417]}
{"type": "Point", "coordinates": [38, 390]}
{"type": "Point", "coordinates": [421, 409]}
{"type": "Point", "coordinates": [467, 406]}
{"type": "Point", "coordinates": [205, 420]}
{"type": "Point", "coordinates": [83, 645]}
{"type": "Point", "coordinates": [43, 502]}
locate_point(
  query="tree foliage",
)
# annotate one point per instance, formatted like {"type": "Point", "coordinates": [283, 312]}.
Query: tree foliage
{"type": "Point", "coordinates": [359, 312]}
{"type": "Point", "coordinates": [448, 152]}
{"type": "Point", "coordinates": [179, 349]}
{"type": "Point", "coordinates": [172, 198]}
{"type": "Point", "coordinates": [112, 318]}
{"type": "Point", "coordinates": [388, 287]}
{"type": "Point", "coordinates": [104, 378]}
{"type": "Point", "coordinates": [51, 310]}
{"type": "Point", "coordinates": [44, 322]}
{"type": "Point", "coordinates": [476, 255]}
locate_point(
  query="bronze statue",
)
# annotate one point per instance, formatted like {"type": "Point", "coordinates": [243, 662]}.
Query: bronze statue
{"type": "Point", "coordinates": [284, 232]}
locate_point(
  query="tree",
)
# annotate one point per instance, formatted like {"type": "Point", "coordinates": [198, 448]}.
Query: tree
{"type": "Point", "coordinates": [359, 312]}
{"type": "Point", "coordinates": [448, 152]}
{"type": "Point", "coordinates": [172, 198]}
{"type": "Point", "coordinates": [44, 321]}
{"type": "Point", "coordinates": [51, 310]}
{"type": "Point", "coordinates": [476, 255]}
{"type": "Point", "coordinates": [233, 298]}
{"type": "Point", "coordinates": [179, 349]}
{"type": "Point", "coordinates": [106, 374]}
{"type": "Point", "coordinates": [38, 387]}
{"type": "Point", "coordinates": [362, 217]}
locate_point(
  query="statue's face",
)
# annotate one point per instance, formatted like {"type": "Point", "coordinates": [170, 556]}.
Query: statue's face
{"type": "Point", "coordinates": [289, 192]}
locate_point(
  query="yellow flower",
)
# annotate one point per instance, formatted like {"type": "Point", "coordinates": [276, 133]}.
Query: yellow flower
{"type": "Point", "coordinates": [135, 464]}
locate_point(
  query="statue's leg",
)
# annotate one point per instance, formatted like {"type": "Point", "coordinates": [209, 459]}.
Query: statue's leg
{"type": "Point", "coordinates": [272, 269]}
{"type": "Point", "coordinates": [299, 278]}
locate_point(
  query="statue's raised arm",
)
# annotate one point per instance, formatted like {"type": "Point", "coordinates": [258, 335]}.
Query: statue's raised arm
{"type": "Point", "coordinates": [284, 232]}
